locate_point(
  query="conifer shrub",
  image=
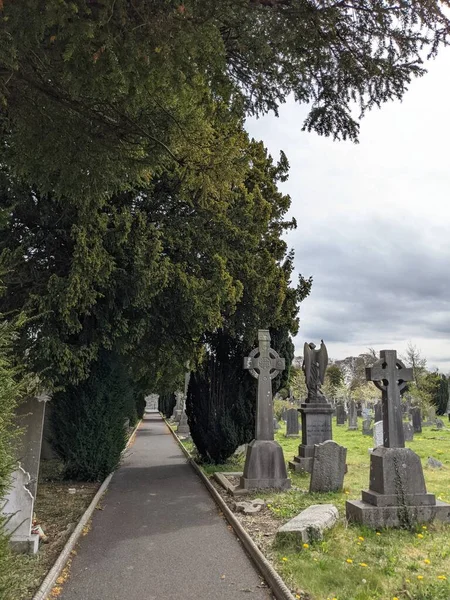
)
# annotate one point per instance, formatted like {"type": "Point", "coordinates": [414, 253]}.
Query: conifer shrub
{"type": "Point", "coordinates": [166, 403]}
{"type": "Point", "coordinates": [140, 404]}
{"type": "Point", "coordinates": [88, 420]}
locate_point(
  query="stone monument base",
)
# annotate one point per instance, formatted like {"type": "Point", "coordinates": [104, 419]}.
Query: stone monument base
{"type": "Point", "coordinates": [395, 516]}
{"type": "Point", "coordinates": [25, 544]}
{"type": "Point", "coordinates": [183, 426]}
{"type": "Point", "coordinates": [302, 464]}
{"type": "Point", "coordinates": [316, 429]}
{"type": "Point", "coordinates": [264, 466]}
{"type": "Point", "coordinates": [397, 496]}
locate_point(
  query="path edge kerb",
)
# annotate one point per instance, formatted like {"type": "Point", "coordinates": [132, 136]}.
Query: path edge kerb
{"type": "Point", "coordinates": [51, 577]}
{"type": "Point", "coordinates": [276, 583]}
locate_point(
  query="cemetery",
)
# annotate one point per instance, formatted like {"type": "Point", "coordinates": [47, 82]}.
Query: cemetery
{"type": "Point", "coordinates": [172, 425]}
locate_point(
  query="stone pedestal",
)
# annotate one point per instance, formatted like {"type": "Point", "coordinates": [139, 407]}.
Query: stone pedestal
{"type": "Point", "coordinates": [265, 466]}
{"type": "Point", "coordinates": [397, 496]}
{"type": "Point", "coordinates": [316, 429]}
{"type": "Point", "coordinates": [183, 426]}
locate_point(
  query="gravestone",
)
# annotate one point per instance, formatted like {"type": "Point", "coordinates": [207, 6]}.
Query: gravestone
{"type": "Point", "coordinates": [378, 412]}
{"type": "Point", "coordinates": [47, 452]}
{"type": "Point", "coordinates": [151, 403]}
{"type": "Point", "coordinates": [408, 432]}
{"type": "Point", "coordinates": [276, 425]}
{"type": "Point", "coordinates": [378, 434]}
{"type": "Point", "coordinates": [416, 419]}
{"type": "Point", "coordinates": [439, 424]}
{"type": "Point", "coordinates": [264, 462]}
{"type": "Point", "coordinates": [340, 414]}
{"type": "Point", "coordinates": [397, 495]}
{"type": "Point", "coordinates": [366, 412]}
{"type": "Point", "coordinates": [315, 411]}
{"type": "Point", "coordinates": [352, 416]}
{"type": "Point", "coordinates": [19, 506]}
{"type": "Point", "coordinates": [367, 428]}
{"type": "Point", "coordinates": [328, 468]}
{"type": "Point", "coordinates": [183, 426]}
{"type": "Point", "coordinates": [292, 428]}
{"type": "Point", "coordinates": [19, 501]}
{"type": "Point", "coordinates": [431, 417]}
{"type": "Point", "coordinates": [179, 406]}
{"type": "Point", "coordinates": [284, 414]}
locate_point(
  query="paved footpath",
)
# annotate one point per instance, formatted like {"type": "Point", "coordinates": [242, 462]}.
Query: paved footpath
{"type": "Point", "coordinates": [159, 535]}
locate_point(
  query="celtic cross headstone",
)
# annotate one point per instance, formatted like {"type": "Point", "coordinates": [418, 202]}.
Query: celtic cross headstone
{"type": "Point", "coordinates": [397, 494]}
{"type": "Point", "coordinates": [391, 376]}
{"type": "Point", "coordinates": [264, 364]}
{"type": "Point", "coordinates": [264, 462]}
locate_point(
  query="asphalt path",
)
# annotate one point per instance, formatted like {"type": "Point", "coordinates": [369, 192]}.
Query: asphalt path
{"type": "Point", "coordinates": [159, 535]}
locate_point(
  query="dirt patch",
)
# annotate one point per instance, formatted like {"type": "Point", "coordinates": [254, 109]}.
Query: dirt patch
{"type": "Point", "coordinates": [57, 511]}
{"type": "Point", "coordinates": [262, 526]}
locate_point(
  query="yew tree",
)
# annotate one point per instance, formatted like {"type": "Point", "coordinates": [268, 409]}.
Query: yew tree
{"type": "Point", "coordinates": [98, 95]}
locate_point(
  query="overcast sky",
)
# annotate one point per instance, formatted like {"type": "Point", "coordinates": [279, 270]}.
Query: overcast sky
{"type": "Point", "coordinates": [373, 223]}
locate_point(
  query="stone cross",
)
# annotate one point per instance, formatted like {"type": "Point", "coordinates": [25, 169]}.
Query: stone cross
{"type": "Point", "coordinates": [264, 364]}
{"type": "Point", "coordinates": [390, 376]}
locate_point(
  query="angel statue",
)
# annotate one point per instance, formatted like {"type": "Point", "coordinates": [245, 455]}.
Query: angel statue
{"type": "Point", "coordinates": [314, 366]}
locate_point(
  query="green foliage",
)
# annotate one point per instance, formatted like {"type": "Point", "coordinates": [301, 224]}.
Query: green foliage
{"type": "Point", "coordinates": [12, 388]}
{"type": "Point", "coordinates": [220, 402]}
{"type": "Point", "coordinates": [438, 388]}
{"type": "Point", "coordinates": [89, 419]}
{"type": "Point", "coordinates": [97, 97]}
{"type": "Point", "coordinates": [166, 403]}
{"type": "Point", "coordinates": [279, 406]}
{"type": "Point", "coordinates": [140, 405]}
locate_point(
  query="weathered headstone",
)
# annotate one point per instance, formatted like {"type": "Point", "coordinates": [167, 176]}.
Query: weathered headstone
{"type": "Point", "coordinates": [431, 417]}
{"type": "Point", "coordinates": [284, 414]}
{"type": "Point", "coordinates": [151, 403]}
{"type": "Point", "coordinates": [378, 434]}
{"type": "Point", "coordinates": [416, 419]}
{"type": "Point", "coordinates": [183, 426]}
{"type": "Point", "coordinates": [264, 462]}
{"type": "Point", "coordinates": [21, 496]}
{"type": "Point", "coordinates": [328, 468]}
{"type": "Point", "coordinates": [340, 414]}
{"type": "Point", "coordinates": [316, 411]}
{"type": "Point", "coordinates": [179, 406]}
{"type": "Point", "coordinates": [439, 424]}
{"type": "Point", "coordinates": [367, 428]}
{"type": "Point", "coordinates": [433, 463]}
{"type": "Point", "coordinates": [378, 412]}
{"type": "Point", "coordinates": [397, 493]}
{"type": "Point", "coordinates": [408, 432]}
{"type": "Point", "coordinates": [309, 525]}
{"type": "Point", "coordinates": [292, 427]}
{"type": "Point", "coordinates": [276, 425]}
{"type": "Point", "coordinates": [352, 416]}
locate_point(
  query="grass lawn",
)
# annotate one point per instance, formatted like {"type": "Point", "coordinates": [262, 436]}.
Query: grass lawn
{"type": "Point", "coordinates": [355, 563]}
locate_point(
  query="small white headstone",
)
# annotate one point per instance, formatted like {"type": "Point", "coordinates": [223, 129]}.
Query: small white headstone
{"type": "Point", "coordinates": [18, 508]}
{"type": "Point", "coordinates": [378, 434]}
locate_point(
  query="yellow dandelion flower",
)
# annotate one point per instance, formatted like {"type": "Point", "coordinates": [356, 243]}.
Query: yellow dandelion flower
{"type": "Point", "coordinates": [349, 561]}
{"type": "Point", "coordinates": [362, 564]}
{"type": "Point", "coordinates": [419, 577]}
{"type": "Point", "coordinates": [420, 536]}
{"type": "Point", "coordinates": [395, 598]}
{"type": "Point", "coordinates": [442, 577]}
{"type": "Point", "coordinates": [408, 580]}
{"type": "Point", "coordinates": [358, 543]}
{"type": "Point", "coordinates": [424, 527]}
{"type": "Point", "coordinates": [378, 533]}
{"type": "Point", "coordinates": [361, 539]}
{"type": "Point", "coordinates": [284, 558]}
{"type": "Point", "coordinates": [427, 561]}
{"type": "Point", "coordinates": [305, 545]}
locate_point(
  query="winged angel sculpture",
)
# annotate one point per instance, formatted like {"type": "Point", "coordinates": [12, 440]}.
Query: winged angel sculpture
{"type": "Point", "coordinates": [314, 366]}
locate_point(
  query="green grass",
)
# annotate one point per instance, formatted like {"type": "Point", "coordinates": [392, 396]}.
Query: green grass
{"type": "Point", "coordinates": [394, 559]}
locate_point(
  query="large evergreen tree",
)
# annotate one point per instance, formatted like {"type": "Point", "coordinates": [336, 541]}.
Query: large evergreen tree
{"type": "Point", "coordinates": [97, 96]}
